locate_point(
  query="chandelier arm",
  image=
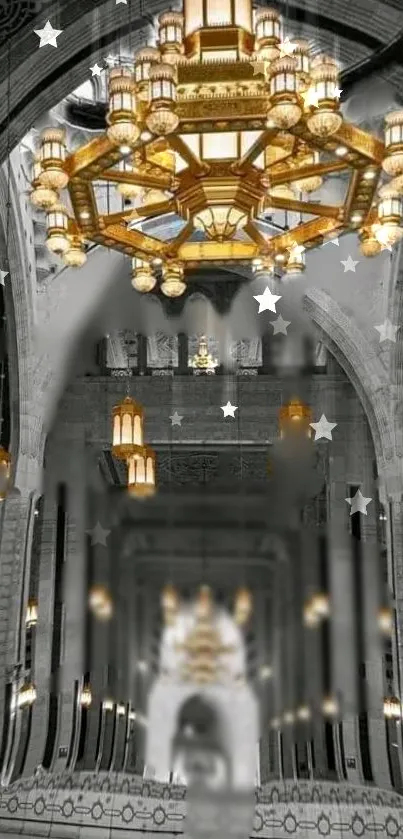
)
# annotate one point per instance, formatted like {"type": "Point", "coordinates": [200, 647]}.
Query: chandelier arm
{"type": "Point", "coordinates": [150, 211]}
{"type": "Point", "coordinates": [115, 218]}
{"type": "Point", "coordinates": [196, 166]}
{"type": "Point", "coordinates": [146, 180]}
{"type": "Point", "coordinates": [357, 183]}
{"type": "Point", "coordinates": [212, 251]}
{"type": "Point", "coordinates": [258, 147]}
{"type": "Point", "coordinates": [134, 242]}
{"type": "Point", "coordinates": [94, 157]}
{"type": "Point", "coordinates": [252, 231]}
{"type": "Point", "coordinates": [309, 234]}
{"type": "Point", "coordinates": [367, 148]}
{"type": "Point", "coordinates": [311, 207]}
{"type": "Point", "coordinates": [179, 240]}
{"type": "Point", "coordinates": [286, 175]}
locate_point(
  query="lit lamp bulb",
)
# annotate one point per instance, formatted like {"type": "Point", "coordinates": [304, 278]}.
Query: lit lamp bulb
{"type": "Point", "coordinates": [369, 245]}
{"type": "Point", "coordinates": [310, 617]}
{"type": "Point", "coordinates": [57, 225]}
{"type": "Point", "coordinates": [145, 59]}
{"type": "Point", "coordinates": [162, 118]}
{"type": "Point", "coordinates": [304, 713]}
{"type": "Point", "coordinates": [296, 261]}
{"type": "Point", "coordinates": [127, 429]}
{"type": "Point", "coordinates": [41, 196]}
{"type": "Point", "coordinates": [385, 620]}
{"type": "Point", "coordinates": [325, 119]}
{"type": "Point", "coordinates": [268, 34]}
{"type": "Point", "coordinates": [143, 278]}
{"type": "Point", "coordinates": [321, 605]}
{"type": "Point", "coordinates": [390, 211]}
{"type": "Point", "coordinates": [170, 28]}
{"type": "Point", "coordinates": [330, 707]}
{"type": "Point", "coordinates": [31, 618]}
{"type": "Point", "coordinates": [392, 708]}
{"type": "Point", "coordinates": [86, 697]}
{"type": "Point", "coordinates": [243, 606]}
{"type": "Point", "coordinates": [26, 695]}
{"type": "Point", "coordinates": [53, 156]}
{"type": "Point", "coordinates": [121, 118]}
{"type": "Point", "coordinates": [285, 109]}
{"type": "Point", "coordinates": [141, 473]}
{"type": "Point", "coordinates": [173, 284]}
{"type": "Point", "coordinates": [393, 160]}
{"type": "Point", "coordinates": [75, 255]}
{"type": "Point", "coordinates": [5, 471]}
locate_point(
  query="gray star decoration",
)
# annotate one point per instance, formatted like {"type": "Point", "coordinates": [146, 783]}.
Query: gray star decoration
{"type": "Point", "coordinates": [267, 300]}
{"type": "Point", "coordinates": [98, 534]}
{"type": "Point", "coordinates": [387, 331]}
{"type": "Point", "coordinates": [48, 36]}
{"type": "Point", "coordinates": [358, 504]}
{"type": "Point", "coordinates": [176, 419]}
{"type": "Point", "coordinates": [280, 325]}
{"type": "Point", "coordinates": [323, 428]}
{"type": "Point", "coordinates": [229, 410]}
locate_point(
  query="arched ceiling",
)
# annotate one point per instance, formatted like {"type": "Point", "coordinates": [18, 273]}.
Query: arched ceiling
{"type": "Point", "coordinates": [367, 34]}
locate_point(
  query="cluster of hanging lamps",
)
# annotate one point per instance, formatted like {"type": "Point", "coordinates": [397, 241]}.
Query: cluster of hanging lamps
{"type": "Point", "coordinates": [128, 445]}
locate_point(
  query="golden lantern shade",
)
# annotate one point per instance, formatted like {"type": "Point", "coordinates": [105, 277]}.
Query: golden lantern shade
{"type": "Point", "coordinates": [393, 161]}
{"type": "Point", "coordinates": [53, 156]}
{"type": "Point", "coordinates": [285, 109]}
{"type": "Point", "coordinates": [204, 603]}
{"type": "Point", "coordinates": [145, 59]}
{"type": "Point", "coordinates": [5, 472]}
{"type": "Point", "coordinates": [26, 695]}
{"type": "Point", "coordinates": [57, 224]}
{"type": "Point", "coordinates": [325, 119]}
{"type": "Point", "coordinates": [243, 606]}
{"type": "Point", "coordinates": [220, 222]}
{"type": "Point", "coordinates": [369, 245]}
{"type": "Point", "coordinates": [31, 617]}
{"type": "Point", "coordinates": [162, 118]}
{"type": "Point", "coordinates": [86, 696]}
{"type": "Point", "coordinates": [125, 189]}
{"type": "Point", "coordinates": [312, 183]}
{"type": "Point", "coordinates": [302, 57]}
{"type": "Point", "coordinates": [127, 429]}
{"type": "Point", "coordinates": [390, 212]}
{"type": "Point", "coordinates": [41, 196]}
{"type": "Point", "coordinates": [75, 256]}
{"type": "Point", "coordinates": [296, 261]}
{"type": "Point", "coordinates": [121, 118]}
{"type": "Point", "coordinates": [392, 708]}
{"type": "Point", "coordinates": [143, 278]}
{"type": "Point", "coordinates": [141, 473]}
{"type": "Point", "coordinates": [173, 283]}
{"type": "Point", "coordinates": [268, 34]}
{"type": "Point", "coordinates": [170, 35]}
{"type": "Point", "coordinates": [295, 418]}
{"type": "Point", "coordinates": [169, 603]}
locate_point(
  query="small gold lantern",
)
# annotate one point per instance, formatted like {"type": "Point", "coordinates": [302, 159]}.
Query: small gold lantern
{"type": "Point", "coordinates": [390, 212]}
{"type": "Point", "coordinates": [124, 188]}
{"type": "Point", "coordinates": [170, 604]}
{"type": "Point", "coordinates": [162, 118]}
{"type": "Point", "coordinates": [325, 119]}
{"type": "Point", "coordinates": [100, 602]}
{"type": "Point", "coordinates": [285, 109]}
{"type": "Point", "coordinates": [330, 707]}
{"type": "Point", "coordinates": [393, 160]}
{"type": "Point", "coordinates": [127, 424]}
{"type": "Point", "coordinates": [26, 695]}
{"type": "Point", "coordinates": [5, 472]}
{"type": "Point", "coordinates": [301, 54]}
{"type": "Point", "coordinates": [369, 245]}
{"type": "Point", "coordinates": [143, 278]}
{"type": "Point", "coordinates": [170, 27]}
{"type": "Point", "coordinates": [145, 59]}
{"type": "Point", "coordinates": [243, 606]}
{"type": "Point", "coordinates": [75, 256]}
{"type": "Point", "coordinates": [41, 196]}
{"type": "Point", "coordinates": [296, 261]}
{"type": "Point", "coordinates": [392, 708]}
{"type": "Point", "coordinates": [57, 226]}
{"type": "Point", "coordinates": [295, 419]}
{"type": "Point", "coordinates": [312, 183]}
{"type": "Point", "coordinates": [386, 620]}
{"type": "Point", "coordinates": [31, 617]}
{"type": "Point", "coordinates": [173, 284]}
{"type": "Point", "coordinates": [86, 696]}
{"type": "Point", "coordinates": [121, 118]}
{"type": "Point", "coordinates": [53, 156]}
{"type": "Point", "coordinates": [141, 473]}
{"type": "Point", "coordinates": [268, 34]}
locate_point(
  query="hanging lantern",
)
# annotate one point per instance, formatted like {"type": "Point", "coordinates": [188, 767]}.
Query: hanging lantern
{"type": "Point", "coordinates": [296, 261]}
{"type": "Point", "coordinates": [325, 119]}
{"type": "Point", "coordinates": [390, 212]}
{"type": "Point", "coordinates": [41, 196]}
{"type": "Point", "coordinates": [330, 707]}
{"type": "Point", "coordinates": [141, 473]}
{"type": "Point", "coordinates": [26, 695]}
{"type": "Point", "coordinates": [312, 183]}
{"type": "Point", "coordinates": [31, 617]}
{"type": "Point", "coordinates": [295, 418]}
{"type": "Point", "coordinates": [289, 717]}
{"type": "Point", "coordinates": [204, 603]}
{"type": "Point", "coordinates": [369, 245]}
{"type": "Point", "coordinates": [5, 472]}
{"type": "Point", "coordinates": [268, 34]}
{"type": "Point", "coordinates": [143, 278]}
{"type": "Point", "coordinates": [301, 54]}
{"type": "Point", "coordinates": [145, 59]}
{"type": "Point", "coordinates": [386, 620]}
{"type": "Point", "coordinates": [127, 424]}
{"type": "Point", "coordinates": [120, 709]}
{"type": "Point", "coordinates": [125, 189]}
{"type": "Point", "coordinates": [243, 606]}
{"type": "Point", "coordinates": [303, 713]}
{"type": "Point", "coordinates": [86, 696]}
{"type": "Point", "coordinates": [100, 603]}
{"type": "Point", "coordinates": [75, 256]}
{"type": "Point", "coordinates": [162, 118]}
{"type": "Point", "coordinates": [220, 222]}
{"type": "Point", "coordinates": [311, 618]}
{"type": "Point", "coordinates": [393, 160]}
{"type": "Point", "coordinates": [321, 605]}
{"type": "Point", "coordinates": [57, 226]}
{"type": "Point", "coordinates": [392, 708]}
{"type": "Point", "coordinates": [170, 604]}
{"type": "Point", "coordinates": [121, 118]}
{"type": "Point", "coordinates": [53, 156]}
{"type": "Point", "coordinates": [285, 109]}
{"type": "Point", "coordinates": [170, 29]}
{"type": "Point", "coordinates": [108, 705]}
{"type": "Point", "coordinates": [173, 284]}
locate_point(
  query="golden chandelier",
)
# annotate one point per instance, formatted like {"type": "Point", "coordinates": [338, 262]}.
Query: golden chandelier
{"type": "Point", "coordinates": [221, 123]}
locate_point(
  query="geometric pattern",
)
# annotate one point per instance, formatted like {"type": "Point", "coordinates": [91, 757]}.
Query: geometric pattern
{"type": "Point", "coordinates": [114, 802]}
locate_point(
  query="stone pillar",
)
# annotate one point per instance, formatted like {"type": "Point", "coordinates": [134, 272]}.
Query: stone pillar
{"type": "Point", "coordinates": [264, 659]}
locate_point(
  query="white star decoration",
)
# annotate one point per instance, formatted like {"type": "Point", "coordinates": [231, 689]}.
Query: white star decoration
{"type": "Point", "coordinates": [349, 263]}
{"type": "Point", "coordinates": [48, 35]}
{"type": "Point", "coordinates": [176, 419]}
{"type": "Point", "coordinates": [323, 428]}
{"type": "Point", "coordinates": [96, 70]}
{"type": "Point", "coordinates": [287, 47]}
{"type": "Point", "coordinates": [98, 534]}
{"type": "Point", "coordinates": [387, 331]}
{"type": "Point", "coordinates": [229, 410]}
{"type": "Point", "coordinates": [267, 300]}
{"type": "Point", "coordinates": [280, 325]}
{"type": "Point", "coordinates": [358, 504]}
{"type": "Point", "coordinates": [3, 275]}
{"type": "Point", "coordinates": [337, 93]}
